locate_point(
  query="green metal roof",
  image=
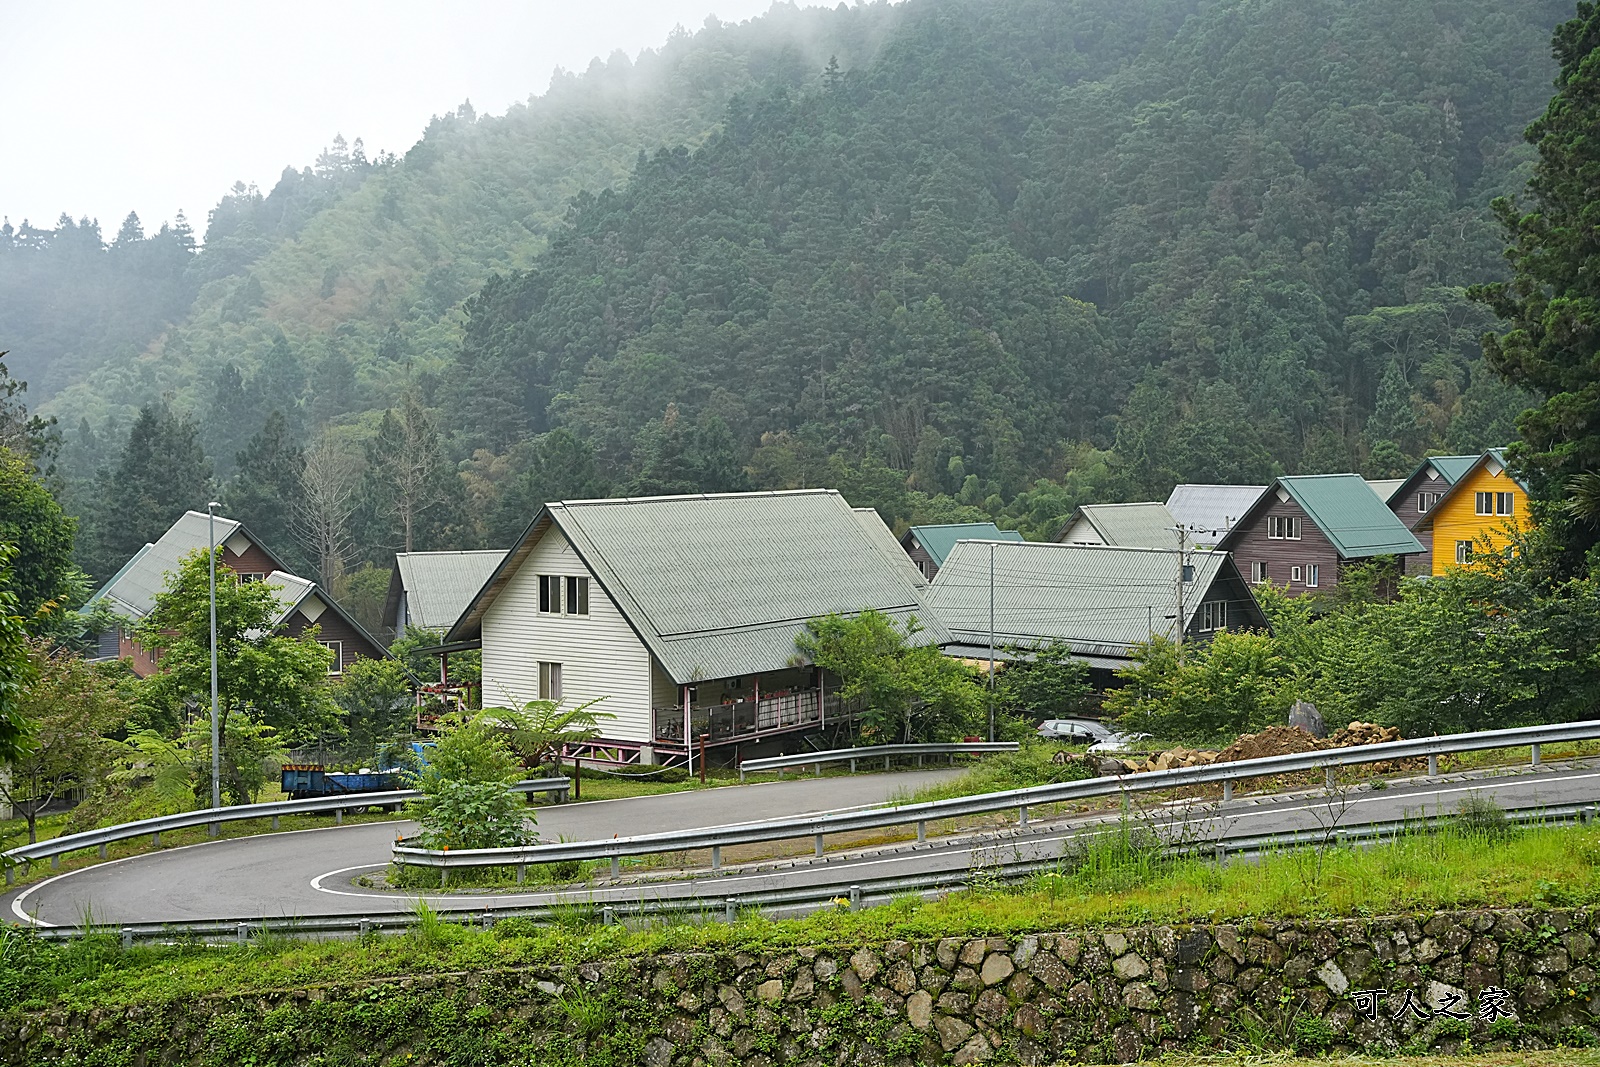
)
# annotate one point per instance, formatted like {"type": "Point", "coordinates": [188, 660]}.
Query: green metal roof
{"type": "Point", "coordinates": [439, 585]}
{"type": "Point", "coordinates": [1494, 455]}
{"type": "Point", "coordinates": [1350, 515]}
{"type": "Point", "coordinates": [1451, 468]}
{"type": "Point", "coordinates": [719, 585]}
{"type": "Point", "coordinates": [1099, 599]}
{"type": "Point", "coordinates": [939, 540]}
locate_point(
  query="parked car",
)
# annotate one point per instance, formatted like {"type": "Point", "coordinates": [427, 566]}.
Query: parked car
{"type": "Point", "coordinates": [1118, 743]}
{"type": "Point", "coordinates": [1073, 731]}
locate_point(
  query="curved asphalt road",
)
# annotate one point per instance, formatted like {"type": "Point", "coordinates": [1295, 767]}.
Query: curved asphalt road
{"type": "Point", "coordinates": [310, 872]}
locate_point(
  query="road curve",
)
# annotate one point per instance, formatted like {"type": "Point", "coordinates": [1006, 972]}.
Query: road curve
{"type": "Point", "coordinates": [270, 875]}
{"type": "Point", "coordinates": [310, 872]}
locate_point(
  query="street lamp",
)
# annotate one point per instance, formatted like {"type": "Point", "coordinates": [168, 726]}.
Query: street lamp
{"type": "Point", "coordinates": [216, 741]}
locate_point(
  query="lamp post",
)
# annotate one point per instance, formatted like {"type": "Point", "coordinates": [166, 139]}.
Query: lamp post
{"type": "Point", "coordinates": [216, 741]}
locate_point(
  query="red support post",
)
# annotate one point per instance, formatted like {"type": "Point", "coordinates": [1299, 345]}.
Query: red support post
{"type": "Point", "coordinates": [704, 740]}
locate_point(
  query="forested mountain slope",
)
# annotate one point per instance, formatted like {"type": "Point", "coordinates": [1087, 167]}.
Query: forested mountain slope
{"type": "Point", "coordinates": [1218, 239]}
{"type": "Point", "coordinates": [350, 299]}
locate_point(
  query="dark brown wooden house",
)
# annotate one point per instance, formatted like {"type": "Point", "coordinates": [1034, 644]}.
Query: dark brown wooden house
{"type": "Point", "coordinates": [1304, 530]}
{"type": "Point", "coordinates": [132, 591]}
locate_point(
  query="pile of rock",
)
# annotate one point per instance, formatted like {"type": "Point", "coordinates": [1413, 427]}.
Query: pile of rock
{"type": "Point", "coordinates": [1273, 741]}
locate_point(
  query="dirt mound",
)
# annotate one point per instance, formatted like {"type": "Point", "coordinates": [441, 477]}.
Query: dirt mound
{"type": "Point", "coordinates": [1273, 741]}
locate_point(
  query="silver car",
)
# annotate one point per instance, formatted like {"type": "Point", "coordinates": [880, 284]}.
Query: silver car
{"type": "Point", "coordinates": [1118, 743]}
{"type": "Point", "coordinates": [1073, 731]}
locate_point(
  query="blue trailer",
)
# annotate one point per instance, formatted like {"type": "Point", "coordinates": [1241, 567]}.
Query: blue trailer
{"type": "Point", "coordinates": [309, 781]}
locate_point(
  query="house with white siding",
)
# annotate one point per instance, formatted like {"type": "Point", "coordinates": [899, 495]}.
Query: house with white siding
{"type": "Point", "coordinates": [679, 614]}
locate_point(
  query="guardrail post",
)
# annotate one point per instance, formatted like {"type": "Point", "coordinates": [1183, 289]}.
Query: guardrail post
{"type": "Point", "coordinates": [127, 937]}
{"type": "Point", "coordinates": [155, 840]}
{"type": "Point", "coordinates": [919, 759]}
{"type": "Point", "coordinates": [522, 873]}
{"type": "Point", "coordinates": [55, 862]}
{"type": "Point", "coordinates": [213, 829]}
{"type": "Point", "coordinates": [716, 857]}
{"type": "Point", "coordinates": [364, 927]}
{"type": "Point", "coordinates": [1327, 777]}
{"type": "Point", "coordinates": [444, 877]}
{"type": "Point", "coordinates": [1594, 812]}
{"type": "Point", "coordinates": [741, 772]}
{"type": "Point", "coordinates": [1535, 755]}
{"type": "Point", "coordinates": [817, 769]}
{"type": "Point", "coordinates": [274, 822]}
{"type": "Point", "coordinates": [1022, 815]}
{"type": "Point", "coordinates": [1433, 766]}
{"type": "Point", "coordinates": [102, 852]}
{"type": "Point", "coordinates": [730, 911]}
{"type": "Point", "coordinates": [242, 933]}
{"type": "Point", "coordinates": [608, 916]}
{"type": "Point", "coordinates": [922, 830]}
{"type": "Point", "coordinates": [852, 766]}
{"type": "Point", "coordinates": [1227, 789]}
{"type": "Point", "coordinates": [616, 866]}
{"type": "Point", "coordinates": [886, 763]}
{"type": "Point", "coordinates": [338, 816]}
{"type": "Point", "coordinates": [818, 843]}
{"type": "Point", "coordinates": [855, 897]}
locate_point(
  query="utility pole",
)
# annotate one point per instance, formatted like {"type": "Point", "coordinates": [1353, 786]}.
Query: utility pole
{"type": "Point", "coordinates": [1177, 627]}
{"type": "Point", "coordinates": [216, 727]}
{"type": "Point", "coordinates": [991, 640]}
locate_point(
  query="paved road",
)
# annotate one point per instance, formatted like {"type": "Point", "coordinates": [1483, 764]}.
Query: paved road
{"type": "Point", "coordinates": [271, 875]}
{"type": "Point", "coordinates": [286, 875]}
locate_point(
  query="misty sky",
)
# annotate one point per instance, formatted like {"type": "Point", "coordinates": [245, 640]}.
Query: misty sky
{"type": "Point", "coordinates": [158, 105]}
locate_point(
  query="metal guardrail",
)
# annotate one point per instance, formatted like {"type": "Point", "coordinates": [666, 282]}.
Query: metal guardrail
{"type": "Point", "coordinates": [56, 847]}
{"type": "Point", "coordinates": [873, 754]}
{"type": "Point", "coordinates": [819, 826]}
{"type": "Point", "coordinates": [857, 892]}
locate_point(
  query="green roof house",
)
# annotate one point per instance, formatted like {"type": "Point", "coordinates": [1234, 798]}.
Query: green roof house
{"type": "Point", "coordinates": [1419, 492]}
{"type": "Point", "coordinates": [1143, 525]}
{"type": "Point", "coordinates": [1305, 529]}
{"type": "Point", "coordinates": [928, 546]}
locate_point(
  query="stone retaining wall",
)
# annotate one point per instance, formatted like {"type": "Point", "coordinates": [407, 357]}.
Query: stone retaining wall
{"type": "Point", "coordinates": [1506, 979]}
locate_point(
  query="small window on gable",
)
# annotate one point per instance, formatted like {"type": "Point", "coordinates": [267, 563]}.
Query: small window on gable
{"type": "Point", "coordinates": [1426, 502]}
{"type": "Point", "coordinates": [577, 595]}
{"type": "Point", "coordinates": [1283, 527]}
{"type": "Point", "coordinates": [550, 594]}
{"type": "Point", "coordinates": [1214, 615]}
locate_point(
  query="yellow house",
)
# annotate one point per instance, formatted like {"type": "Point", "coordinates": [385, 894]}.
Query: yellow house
{"type": "Point", "coordinates": [1483, 505]}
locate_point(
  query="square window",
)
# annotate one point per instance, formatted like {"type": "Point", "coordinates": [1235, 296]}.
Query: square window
{"type": "Point", "coordinates": [1483, 503]}
{"type": "Point", "coordinates": [1463, 551]}
{"type": "Point", "coordinates": [550, 681]}
{"type": "Point", "coordinates": [1503, 504]}
{"type": "Point", "coordinates": [1214, 615]}
{"type": "Point", "coordinates": [1258, 571]}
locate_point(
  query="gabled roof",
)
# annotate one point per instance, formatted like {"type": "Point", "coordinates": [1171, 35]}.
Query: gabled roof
{"type": "Point", "coordinates": [1142, 525]}
{"type": "Point", "coordinates": [1450, 468]}
{"type": "Point", "coordinates": [1345, 509]}
{"type": "Point", "coordinates": [1385, 488]}
{"type": "Point", "coordinates": [937, 541]}
{"type": "Point", "coordinates": [1211, 507]}
{"type": "Point", "coordinates": [1101, 600]}
{"type": "Point", "coordinates": [302, 594]}
{"type": "Point", "coordinates": [719, 585]}
{"type": "Point", "coordinates": [1495, 456]}
{"type": "Point", "coordinates": [133, 588]}
{"type": "Point", "coordinates": [437, 585]}
{"type": "Point", "coordinates": [879, 531]}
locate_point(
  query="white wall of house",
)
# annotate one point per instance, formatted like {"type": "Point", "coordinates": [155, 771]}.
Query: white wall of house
{"type": "Point", "coordinates": [599, 653]}
{"type": "Point", "coordinates": [1082, 532]}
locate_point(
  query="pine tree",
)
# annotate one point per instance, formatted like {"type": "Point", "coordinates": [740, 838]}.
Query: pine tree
{"type": "Point", "coordinates": [163, 472]}
{"type": "Point", "coordinates": [1552, 302]}
{"type": "Point", "coordinates": [268, 484]}
{"type": "Point", "coordinates": [412, 492]}
{"type": "Point", "coordinates": [1392, 427]}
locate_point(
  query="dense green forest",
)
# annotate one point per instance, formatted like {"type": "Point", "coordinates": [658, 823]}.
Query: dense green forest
{"type": "Point", "coordinates": [954, 257]}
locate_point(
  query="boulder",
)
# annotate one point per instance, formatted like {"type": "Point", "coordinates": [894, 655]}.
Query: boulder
{"type": "Point", "coordinates": [1305, 715]}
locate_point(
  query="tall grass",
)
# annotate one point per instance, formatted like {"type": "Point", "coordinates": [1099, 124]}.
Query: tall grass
{"type": "Point", "coordinates": [1032, 765]}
